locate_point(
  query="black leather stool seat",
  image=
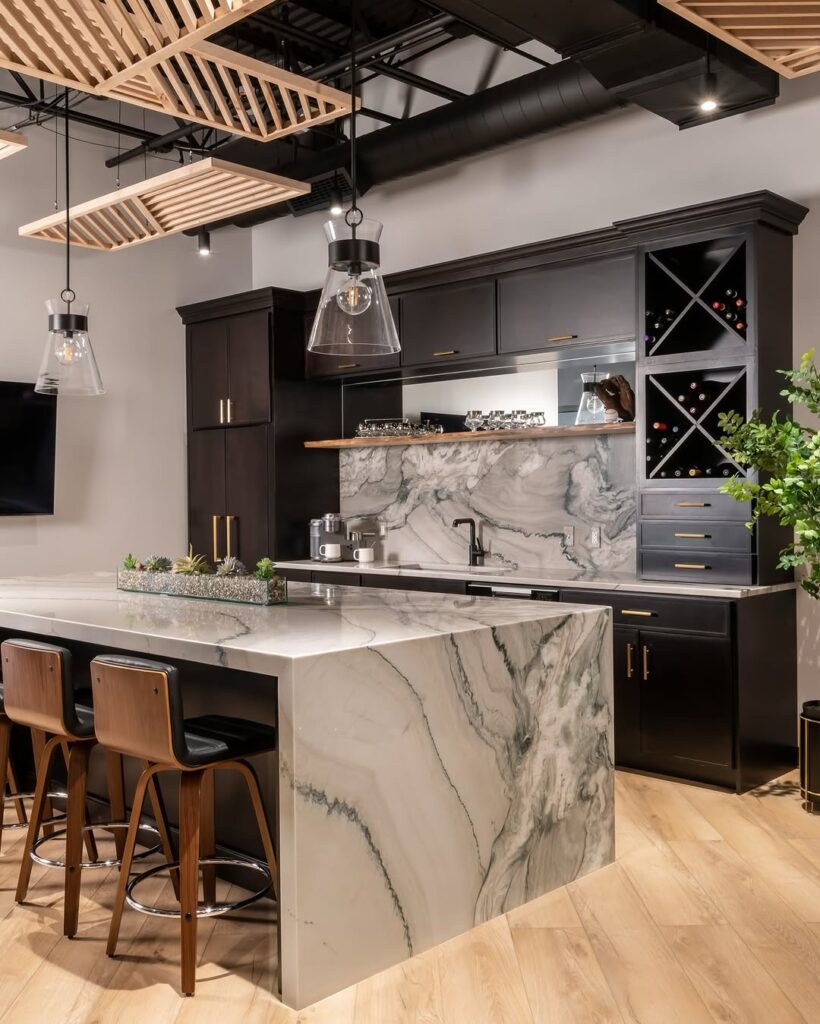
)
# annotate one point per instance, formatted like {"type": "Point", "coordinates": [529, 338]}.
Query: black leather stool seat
{"type": "Point", "coordinates": [212, 738]}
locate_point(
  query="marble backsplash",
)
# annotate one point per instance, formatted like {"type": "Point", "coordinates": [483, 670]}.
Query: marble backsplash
{"type": "Point", "coordinates": [521, 493]}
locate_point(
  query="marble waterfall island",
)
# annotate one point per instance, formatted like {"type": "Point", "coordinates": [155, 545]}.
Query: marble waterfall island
{"type": "Point", "coordinates": [441, 759]}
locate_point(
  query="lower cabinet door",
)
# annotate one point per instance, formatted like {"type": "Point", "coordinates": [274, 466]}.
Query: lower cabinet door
{"type": "Point", "coordinates": [686, 703]}
{"type": "Point", "coordinates": [627, 697]}
{"type": "Point", "coordinates": [206, 493]}
{"type": "Point", "coordinates": [246, 533]}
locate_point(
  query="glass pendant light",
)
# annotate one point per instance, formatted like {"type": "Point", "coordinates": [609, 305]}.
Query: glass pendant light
{"type": "Point", "coordinates": [354, 318]}
{"type": "Point", "coordinates": [68, 366]}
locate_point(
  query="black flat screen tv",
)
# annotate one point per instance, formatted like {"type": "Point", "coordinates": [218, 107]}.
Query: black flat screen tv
{"type": "Point", "coordinates": [28, 433]}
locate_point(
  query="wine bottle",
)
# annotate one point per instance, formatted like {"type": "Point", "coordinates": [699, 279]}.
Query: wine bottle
{"type": "Point", "coordinates": [708, 471]}
{"type": "Point", "coordinates": [693, 385]}
{"type": "Point", "coordinates": [662, 473]}
{"type": "Point", "coordinates": [678, 472]}
{"type": "Point", "coordinates": [649, 458]}
{"type": "Point", "coordinates": [649, 314]}
{"type": "Point", "coordinates": [650, 339]}
{"type": "Point", "coordinates": [664, 440]}
{"type": "Point", "coordinates": [694, 410]}
{"type": "Point", "coordinates": [702, 396]}
{"type": "Point", "coordinates": [740, 303]}
{"type": "Point", "coordinates": [670, 314]}
{"type": "Point", "coordinates": [657, 425]}
{"type": "Point", "coordinates": [731, 317]}
{"type": "Point", "coordinates": [694, 471]}
{"type": "Point", "coordinates": [675, 430]}
{"type": "Point", "coordinates": [732, 293]}
{"type": "Point", "coordinates": [682, 399]}
{"type": "Point", "coordinates": [719, 306]}
{"type": "Point", "coordinates": [740, 326]}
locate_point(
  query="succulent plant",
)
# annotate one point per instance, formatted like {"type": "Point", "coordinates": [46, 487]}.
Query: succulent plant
{"type": "Point", "coordinates": [157, 563]}
{"type": "Point", "coordinates": [192, 565]}
{"type": "Point", "coordinates": [231, 566]}
{"type": "Point", "coordinates": [129, 562]}
{"type": "Point", "coordinates": [265, 569]}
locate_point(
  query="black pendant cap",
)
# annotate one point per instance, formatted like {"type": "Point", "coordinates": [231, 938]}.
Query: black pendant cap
{"type": "Point", "coordinates": [65, 322]}
{"type": "Point", "coordinates": [345, 252]}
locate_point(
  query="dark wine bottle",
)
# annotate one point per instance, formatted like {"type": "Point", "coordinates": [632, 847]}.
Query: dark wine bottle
{"type": "Point", "coordinates": [664, 440]}
{"type": "Point", "coordinates": [682, 399]}
{"type": "Point", "coordinates": [678, 472]}
{"type": "Point", "coordinates": [708, 471]}
{"type": "Point", "coordinates": [702, 396]}
{"type": "Point", "coordinates": [693, 385]}
{"type": "Point", "coordinates": [670, 314]}
{"type": "Point", "coordinates": [662, 473]}
{"type": "Point", "coordinates": [740, 303]}
{"type": "Point", "coordinates": [719, 306]}
{"type": "Point", "coordinates": [650, 339]}
{"type": "Point", "coordinates": [740, 326]}
{"type": "Point", "coordinates": [657, 425]}
{"type": "Point", "coordinates": [675, 430]}
{"type": "Point", "coordinates": [732, 293]}
{"type": "Point", "coordinates": [731, 317]}
{"type": "Point", "coordinates": [694, 410]}
{"type": "Point", "coordinates": [694, 471]}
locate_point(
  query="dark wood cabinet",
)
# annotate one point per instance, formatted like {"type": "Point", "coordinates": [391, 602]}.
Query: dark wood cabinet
{"type": "Point", "coordinates": [448, 323]}
{"type": "Point", "coordinates": [559, 304]}
{"type": "Point", "coordinates": [229, 371]}
{"type": "Point", "coordinates": [252, 485]}
{"type": "Point", "coordinates": [339, 366]}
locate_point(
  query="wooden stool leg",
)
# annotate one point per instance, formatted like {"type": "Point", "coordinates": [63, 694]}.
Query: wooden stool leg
{"type": "Point", "coordinates": [190, 802]}
{"type": "Point", "coordinates": [76, 810]}
{"type": "Point", "coordinates": [161, 818]}
{"type": "Point", "coordinates": [247, 772]}
{"type": "Point", "coordinates": [116, 796]}
{"type": "Point", "coordinates": [14, 789]}
{"type": "Point", "coordinates": [37, 814]}
{"type": "Point", "coordinates": [207, 838]}
{"type": "Point", "coordinates": [38, 744]}
{"type": "Point", "coordinates": [127, 859]}
{"type": "Point", "coordinates": [5, 751]}
{"type": "Point", "coordinates": [88, 837]}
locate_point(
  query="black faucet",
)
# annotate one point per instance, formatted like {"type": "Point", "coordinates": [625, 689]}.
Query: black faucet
{"type": "Point", "coordinates": [476, 550]}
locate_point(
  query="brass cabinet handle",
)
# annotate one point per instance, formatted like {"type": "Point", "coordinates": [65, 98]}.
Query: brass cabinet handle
{"type": "Point", "coordinates": [630, 668]}
{"type": "Point", "coordinates": [215, 526]}
{"type": "Point", "coordinates": [229, 404]}
{"type": "Point", "coordinates": [693, 504]}
{"type": "Point", "coordinates": [637, 611]}
{"type": "Point", "coordinates": [688, 565]}
{"type": "Point", "coordinates": [446, 352]}
{"type": "Point", "coordinates": [563, 337]}
{"type": "Point", "coordinates": [221, 410]}
{"type": "Point", "coordinates": [694, 536]}
{"type": "Point", "coordinates": [347, 366]}
{"type": "Point", "coordinates": [229, 521]}
{"type": "Point", "coordinates": [645, 662]}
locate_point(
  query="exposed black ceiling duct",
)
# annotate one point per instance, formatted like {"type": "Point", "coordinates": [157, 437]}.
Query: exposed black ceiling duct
{"type": "Point", "coordinates": [559, 95]}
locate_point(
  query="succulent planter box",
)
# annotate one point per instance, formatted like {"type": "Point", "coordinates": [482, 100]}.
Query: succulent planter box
{"type": "Point", "coordinates": [239, 589]}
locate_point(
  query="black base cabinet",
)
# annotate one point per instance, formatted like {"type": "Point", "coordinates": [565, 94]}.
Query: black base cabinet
{"type": "Point", "coordinates": [705, 689]}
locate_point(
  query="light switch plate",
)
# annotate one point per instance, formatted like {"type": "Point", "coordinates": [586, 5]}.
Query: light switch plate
{"type": "Point", "coordinates": [595, 537]}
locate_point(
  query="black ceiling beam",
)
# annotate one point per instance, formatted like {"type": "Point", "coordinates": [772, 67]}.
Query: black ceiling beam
{"type": "Point", "coordinates": [47, 106]}
{"type": "Point", "coordinates": [157, 143]}
{"type": "Point", "coordinates": [377, 48]}
{"type": "Point", "coordinates": [416, 81]}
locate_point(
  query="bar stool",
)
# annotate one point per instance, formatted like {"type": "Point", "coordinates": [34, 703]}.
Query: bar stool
{"type": "Point", "coordinates": [38, 691]}
{"type": "Point", "coordinates": [138, 711]}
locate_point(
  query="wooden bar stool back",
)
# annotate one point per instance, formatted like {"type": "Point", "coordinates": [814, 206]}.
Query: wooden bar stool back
{"type": "Point", "coordinates": [138, 711]}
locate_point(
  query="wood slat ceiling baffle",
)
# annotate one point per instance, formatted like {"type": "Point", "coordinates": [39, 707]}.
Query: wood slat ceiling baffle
{"type": "Point", "coordinates": [11, 143]}
{"type": "Point", "coordinates": [223, 89]}
{"type": "Point", "coordinates": [167, 204]}
{"type": "Point", "coordinates": [154, 54]}
{"type": "Point", "coordinates": [785, 36]}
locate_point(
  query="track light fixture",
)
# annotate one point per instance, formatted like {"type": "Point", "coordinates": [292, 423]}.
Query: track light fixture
{"type": "Point", "coordinates": [203, 242]}
{"type": "Point", "coordinates": [709, 101]}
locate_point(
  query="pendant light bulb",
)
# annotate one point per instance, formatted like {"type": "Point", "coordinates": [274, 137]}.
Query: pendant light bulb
{"type": "Point", "coordinates": [354, 297]}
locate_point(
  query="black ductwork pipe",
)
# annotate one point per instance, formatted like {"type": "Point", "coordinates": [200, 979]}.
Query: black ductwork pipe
{"type": "Point", "coordinates": [562, 94]}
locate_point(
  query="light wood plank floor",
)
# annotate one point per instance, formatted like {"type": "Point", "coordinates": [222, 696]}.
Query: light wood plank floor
{"type": "Point", "coordinates": [711, 914]}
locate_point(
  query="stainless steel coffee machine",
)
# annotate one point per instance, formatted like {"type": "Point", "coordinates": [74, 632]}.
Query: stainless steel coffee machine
{"type": "Point", "coordinates": [330, 529]}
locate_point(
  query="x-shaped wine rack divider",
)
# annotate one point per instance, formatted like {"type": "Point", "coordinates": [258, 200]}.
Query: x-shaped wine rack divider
{"type": "Point", "coordinates": [696, 423]}
{"type": "Point", "coordinates": [695, 297]}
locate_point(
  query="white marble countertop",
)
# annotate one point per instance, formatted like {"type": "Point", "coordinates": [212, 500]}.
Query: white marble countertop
{"type": "Point", "coordinates": [318, 620]}
{"type": "Point", "coordinates": [536, 577]}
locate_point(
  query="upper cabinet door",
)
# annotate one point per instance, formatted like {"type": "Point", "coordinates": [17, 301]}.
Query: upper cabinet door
{"type": "Point", "coordinates": [208, 373]}
{"type": "Point", "coordinates": [249, 377]}
{"type": "Point", "coordinates": [448, 323]}
{"type": "Point", "coordinates": [549, 306]}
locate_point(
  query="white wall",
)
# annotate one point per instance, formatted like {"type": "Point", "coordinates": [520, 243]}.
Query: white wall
{"type": "Point", "coordinates": [121, 481]}
{"type": "Point", "coordinates": [624, 165]}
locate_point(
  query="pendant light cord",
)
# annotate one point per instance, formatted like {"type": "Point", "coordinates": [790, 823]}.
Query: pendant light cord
{"type": "Point", "coordinates": [353, 217]}
{"type": "Point", "coordinates": [67, 295]}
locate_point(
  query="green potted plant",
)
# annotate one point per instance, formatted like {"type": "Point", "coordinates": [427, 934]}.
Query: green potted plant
{"type": "Point", "coordinates": [788, 455]}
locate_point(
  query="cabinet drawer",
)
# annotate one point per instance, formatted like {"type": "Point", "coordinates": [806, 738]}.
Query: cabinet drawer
{"type": "Point", "coordinates": [448, 324]}
{"type": "Point", "coordinates": [697, 566]}
{"type": "Point", "coordinates": [336, 579]}
{"type": "Point", "coordinates": [431, 586]}
{"type": "Point", "coordinates": [693, 505]}
{"type": "Point", "coordinates": [696, 535]}
{"type": "Point", "coordinates": [297, 575]}
{"type": "Point", "coordinates": [649, 611]}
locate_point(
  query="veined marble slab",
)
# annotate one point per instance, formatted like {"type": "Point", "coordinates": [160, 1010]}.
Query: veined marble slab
{"type": "Point", "coordinates": [441, 759]}
{"type": "Point", "coordinates": [523, 494]}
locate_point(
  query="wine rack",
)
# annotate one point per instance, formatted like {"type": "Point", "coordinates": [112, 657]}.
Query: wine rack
{"type": "Point", "coordinates": [715, 311]}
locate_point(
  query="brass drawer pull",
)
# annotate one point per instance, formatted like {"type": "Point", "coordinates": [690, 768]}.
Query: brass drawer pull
{"type": "Point", "coordinates": [221, 410]}
{"type": "Point", "coordinates": [215, 524]}
{"type": "Point", "coordinates": [636, 611]}
{"type": "Point", "coordinates": [229, 521]}
{"type": "Point", "coordinates": [229, 404]}
{"type": "Point", "coordinates": [694, 536]}
{"type": "Point", "coordinates": [630, 669]}
{"type": "Point", "coordinates": [687, 565]}
{"type": "Point", "coordinates": [563, 337]}
{"type": "Point", "coordinates": [446, 352]}
{"type": "Point", "coordinates": [347, 366]}
{"type": "Point", "coordinates": [693, 504]}
{"type": "Point", "coordinates": [645, 663]}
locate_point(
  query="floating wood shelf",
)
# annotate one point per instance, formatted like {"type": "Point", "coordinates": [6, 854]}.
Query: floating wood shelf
{"type": "Point", "coordinates": [783, 36]}
{"type": "Point", "coordinates": [167, 204]}
{"type": "Point", "coordinates": [154, 53]}
{"type": "Point", "coordinates": [530, 434]}
{"type": "Point", "coordinates": [11, 143]}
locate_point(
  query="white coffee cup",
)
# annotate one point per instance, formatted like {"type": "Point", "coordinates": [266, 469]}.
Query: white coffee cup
{"type": "Point", "coordinates": [331, 552]}
{"type": "Point", "coordinates": [364, 555]}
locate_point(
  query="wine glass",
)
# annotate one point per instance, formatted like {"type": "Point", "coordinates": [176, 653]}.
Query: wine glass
{"type": "Point", "coordinates": [474, 419]}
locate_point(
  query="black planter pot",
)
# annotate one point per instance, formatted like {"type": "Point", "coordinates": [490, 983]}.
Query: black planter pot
{"type": "Point", "coordinates": [810, 755]}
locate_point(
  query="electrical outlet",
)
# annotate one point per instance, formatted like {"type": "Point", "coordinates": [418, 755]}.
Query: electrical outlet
{"type": "Point", "coordinates": [595, 537]}
{"type": "Point", "coordinates": [569, 536]}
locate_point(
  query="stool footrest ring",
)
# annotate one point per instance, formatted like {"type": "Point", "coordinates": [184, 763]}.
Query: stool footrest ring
{"type": "Point", "coordinates": [212, 910]}
{"type": "Point", "coordinates": [90, 865]}
{"type": "Point", "coordinates": [55, 795]}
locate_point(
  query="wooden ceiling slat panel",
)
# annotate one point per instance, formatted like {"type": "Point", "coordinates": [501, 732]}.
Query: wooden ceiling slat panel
{"type": "Point", "coordinates": [11, 143]}
{"type": "Point", "coordinates": [775, 34]}
{"type": "Point", "coordinates": [181, 199]}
